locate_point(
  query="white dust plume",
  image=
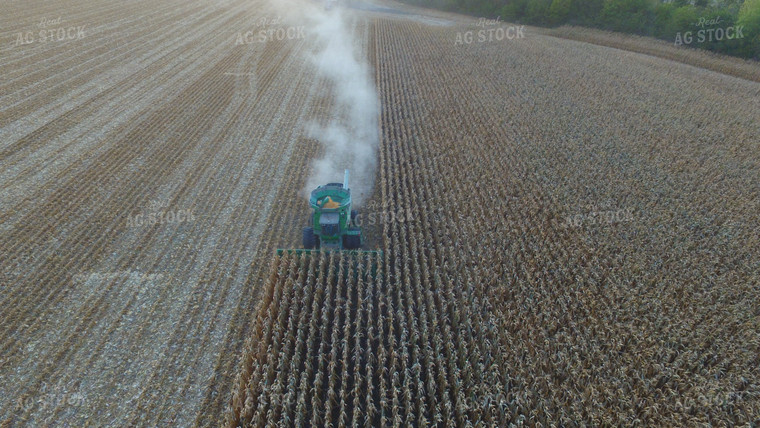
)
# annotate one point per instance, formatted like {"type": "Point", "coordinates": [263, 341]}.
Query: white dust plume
{"type": "Point", "coordinates": [351, 136]}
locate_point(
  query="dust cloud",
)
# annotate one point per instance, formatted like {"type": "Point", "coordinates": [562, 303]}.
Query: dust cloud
{"type": "Point", "coordinates": [351, 136]}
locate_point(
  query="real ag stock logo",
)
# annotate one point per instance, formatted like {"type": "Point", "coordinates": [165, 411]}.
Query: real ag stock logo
{"type": "Point", "coordinates": [710, 34]}
{"type": "Point", "coordinates": [268, 29]}
{"type": "Point", "coordinates": [374, 213]}
{"type": "Point", "coordinates": [50, 400]}
{"type": "Point", "coordinates": [48, 35]}
{"type": "Point", "coordinates": [496, 33]}
{"type": "Point", "coordinates": [158, 213]}
{"type": "Point", "coordinates": [599, 215]}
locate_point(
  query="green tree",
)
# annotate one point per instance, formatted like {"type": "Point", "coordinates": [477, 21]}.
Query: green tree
{"type": "Point", "coordinates": [514, 10]}
{"type": "Point", "coordinates": [749, 18]}
{"type": "Point", "coordinates": [684, 19]}
{"type": "Point", "coordinates": [559, 11]}
{"type": "Point", "coordinates": [663, 18]}
{"type": "Point", "coordinates": [585, 12]}
{"type": "Point", "coordinates": [537, 11]}
{"type": "Point", "coordinates": [629, 16]}
{"type": "Point", "coordinates": [482, 7]}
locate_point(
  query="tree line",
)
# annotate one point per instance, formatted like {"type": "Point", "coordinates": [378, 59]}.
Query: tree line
{"type": "Point", "coordinates": [730, 27]}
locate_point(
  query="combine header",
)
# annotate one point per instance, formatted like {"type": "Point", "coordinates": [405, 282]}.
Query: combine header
{"type": "Point", "coordinates": [333, 222]}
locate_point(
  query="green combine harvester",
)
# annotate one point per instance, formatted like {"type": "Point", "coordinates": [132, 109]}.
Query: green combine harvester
{"type": "Point", "coordinates": [333, 223]}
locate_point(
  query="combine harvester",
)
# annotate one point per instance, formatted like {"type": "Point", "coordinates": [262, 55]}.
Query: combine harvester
{"type": "Point", "coordinates": [333, 223]}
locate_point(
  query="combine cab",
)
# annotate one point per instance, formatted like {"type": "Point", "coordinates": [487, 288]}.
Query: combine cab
{"type": "Point", "coordinates": [332, 223]}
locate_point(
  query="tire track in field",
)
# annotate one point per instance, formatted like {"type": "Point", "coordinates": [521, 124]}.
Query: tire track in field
{"type": "Point", "coordinates": [222, 278]}
{"type": "Point", "coordinates": [30, 64]}
{"type": "Point", "coordinates": [37, 219]}
{"type": "Point", "coordinates": [163, 87]}
{"type": "Point", "coordinates": [36, 85]}
{"type": "Point", "coordinates": [286, 220]}
{"type": "Point", "coordinates": [126, 311]}
{"type": "Point", "coordinates": [107, 213]}
{"type": "Point", "coordinates": [56, 119]}
{"type": "Point", "coordinates": [81, 133]}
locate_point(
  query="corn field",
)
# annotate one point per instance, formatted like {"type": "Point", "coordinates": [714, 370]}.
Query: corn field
{"type": "Point", "coordinates": [336, 346]}
{"type": "Point", "coordinates": [577, 244]}
{"type": "Point", "coordinates": [487, 309]}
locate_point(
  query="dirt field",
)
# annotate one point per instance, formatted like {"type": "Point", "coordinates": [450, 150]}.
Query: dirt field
{"type": "Point", "coordinates": [590, 213]}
